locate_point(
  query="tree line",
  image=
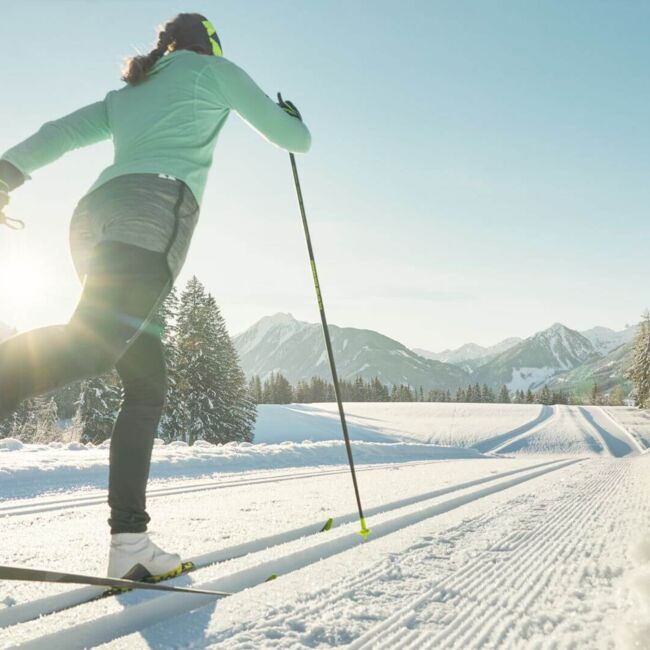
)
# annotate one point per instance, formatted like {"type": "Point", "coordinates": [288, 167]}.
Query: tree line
{"type": "Point", "coordinates": [276, 389]}
{"type": "Point", "coordinates": [207, 396]}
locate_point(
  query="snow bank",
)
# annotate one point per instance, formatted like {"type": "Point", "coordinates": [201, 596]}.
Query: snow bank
{"type": "Point", "coordinates": [634, 420]}
{"type": "Point", "coordinates": [10, 444]}
{"type": "Point", "coordinates": [34, 469]}
{"type": "Point", "coordinates": [443, 424]}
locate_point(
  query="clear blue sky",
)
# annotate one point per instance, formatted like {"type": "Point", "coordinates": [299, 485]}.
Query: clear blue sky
{"type": "Point", "coordinates": [479, 169]}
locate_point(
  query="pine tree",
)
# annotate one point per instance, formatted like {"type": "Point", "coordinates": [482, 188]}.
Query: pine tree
{"type": "Point", "coordinates": [530, 398]}
{"type": "Point", "coordinates": [617, 397]}
{"type": "Point", "coordinates": [20, 423]}
{"type": "Point", "coordinates": [281, 391]}
{"type": "Point", "coordinates": [6, 427]}
{"type": "Point", "coordinates": [545, 396]}
{"type": "Point", "coordinates": [66, 399]}
{"type": "Point", "coordinates": [504, 395]}
{"type": "Point", "coordinates": [595, 394]}
{"type": "Point", "coordinates": [167, 319]}
{"type": "Point", "coordinates": [99, 401]}
{"type": "Point", "coordinates": [212, 401]}
{"type": "Point", "coordinates": [358, 392]}
{"type": "Point", "coordinates": [487, 394]}
{"type": "Point", "coordinates": [301, 393]}
{"type": "Point", "coordinates": [47, 418]}
{"type": "Point", "coordinates": [321, 391]}
{"type": "Point", "coordinates": [255, 389]}
{"type": "Point", "coordinates": [639, 373]}
{"type": "Point", "coordinates": [378, 391]}
{"type": "Point", "coordinates": [237, 413]}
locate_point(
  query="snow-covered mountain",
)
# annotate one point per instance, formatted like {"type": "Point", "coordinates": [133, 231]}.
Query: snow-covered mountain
{"type": "Point", "coordinates": [537, 359]}
{"type": "Point", "coordinates": [607, 372]}
{"type": "Point", "coordinates": [469, 352]}
{"type": "Point", "coordinates": [605, 339]}
{"type": "Point", "coordinates": [297, 349]}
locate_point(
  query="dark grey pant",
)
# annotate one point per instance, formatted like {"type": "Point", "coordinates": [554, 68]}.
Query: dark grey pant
{"type": "Point", "coordinates": [110, 328]}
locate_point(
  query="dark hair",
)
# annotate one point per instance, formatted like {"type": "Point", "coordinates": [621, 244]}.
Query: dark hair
{"type": "Point", "coordinates": [180, 33]}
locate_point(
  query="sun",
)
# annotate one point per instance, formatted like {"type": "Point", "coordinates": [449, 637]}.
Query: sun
{"type": "Point", "coordinates": [23, 282]}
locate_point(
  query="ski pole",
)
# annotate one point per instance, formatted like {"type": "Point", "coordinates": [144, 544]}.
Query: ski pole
{"type": "Point", "coordinates": [364, 532]}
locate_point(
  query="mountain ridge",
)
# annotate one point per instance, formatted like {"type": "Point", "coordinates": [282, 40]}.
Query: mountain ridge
{"type": "Point", "coordinates": [280, 343]}
{"type": "Point", "coordinates": [538, 358]}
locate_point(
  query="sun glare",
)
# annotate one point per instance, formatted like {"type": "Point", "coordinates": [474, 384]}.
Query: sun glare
{"type": "Point", "coordinates": [23, 281]}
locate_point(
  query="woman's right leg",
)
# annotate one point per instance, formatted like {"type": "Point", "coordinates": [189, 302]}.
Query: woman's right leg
{"type": "Point", "coordinates": [123, 286]}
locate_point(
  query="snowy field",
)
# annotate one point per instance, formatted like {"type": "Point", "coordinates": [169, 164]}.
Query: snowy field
{"type": "Point", "coordinates": [493, 526]}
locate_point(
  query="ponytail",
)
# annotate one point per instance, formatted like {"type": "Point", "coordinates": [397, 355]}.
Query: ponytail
{"type": "Point", "coordinates": [137, 68]}
{"type": "Point", "coordinates": [192, 32]}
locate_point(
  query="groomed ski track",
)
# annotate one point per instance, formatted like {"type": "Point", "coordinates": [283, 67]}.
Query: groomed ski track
{"type": "Point", "coordinates": [524, 550]}
{"type": "Point", "coordinates": [600, 432]}
{"type": "Point", "coordinates": [487, 602]}
{"type": "Point", "coordinates": [158, 609]}
{"type": "Point", "coordinates": [50, 504]}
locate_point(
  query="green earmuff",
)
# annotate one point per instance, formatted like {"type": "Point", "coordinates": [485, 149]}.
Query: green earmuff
{"type": "Point", "coordinates": [214, 38]}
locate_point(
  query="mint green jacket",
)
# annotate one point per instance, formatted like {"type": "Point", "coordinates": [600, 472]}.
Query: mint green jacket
{"type": "Point", "coordinates": [169, 124]}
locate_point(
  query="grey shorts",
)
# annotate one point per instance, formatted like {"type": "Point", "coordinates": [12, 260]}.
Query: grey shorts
{"type": "Point", "coordinates": [153, 212]}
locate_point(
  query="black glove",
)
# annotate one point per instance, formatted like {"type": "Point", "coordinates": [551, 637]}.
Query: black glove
{"type": "Point", "coordinates": [289, 107]}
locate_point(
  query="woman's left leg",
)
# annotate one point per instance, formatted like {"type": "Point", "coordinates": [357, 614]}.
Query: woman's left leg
{"type": "Point", "coordinates": [143, 374]}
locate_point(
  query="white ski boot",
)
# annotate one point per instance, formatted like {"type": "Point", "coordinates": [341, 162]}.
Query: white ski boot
{"type": "Point", "coordinates": [135, 557]}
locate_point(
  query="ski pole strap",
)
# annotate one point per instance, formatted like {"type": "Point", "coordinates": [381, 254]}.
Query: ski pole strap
{"type": "Point", "coordinates": [13, 224]}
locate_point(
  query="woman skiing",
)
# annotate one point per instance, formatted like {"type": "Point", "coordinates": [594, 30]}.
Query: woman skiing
{"type": "Point", "coordinates": [129, 236]}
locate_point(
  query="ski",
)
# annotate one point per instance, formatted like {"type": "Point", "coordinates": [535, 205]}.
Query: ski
{"type": "Point", "coordinates": [114, 585]}
{"type": "Point", "coordinates": [186, 567]}
{"type": "Point", "coordinates": [10, 616]}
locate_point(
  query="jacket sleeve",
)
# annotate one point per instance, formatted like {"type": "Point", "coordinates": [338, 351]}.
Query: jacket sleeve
{"type": "Point", "coordinates": [246, 98]}
{"type": "Point", "coordinates": [86, 126]}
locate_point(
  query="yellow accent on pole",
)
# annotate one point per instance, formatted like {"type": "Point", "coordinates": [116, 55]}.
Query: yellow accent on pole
{"type": "Point", "coordinates": [319, 296]}
{"type": "Point", "coordinates": [365, 531]}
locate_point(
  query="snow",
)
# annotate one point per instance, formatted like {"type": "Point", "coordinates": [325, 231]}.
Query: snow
{"type": "Point", "coordinates": [525, 378]}
{"type": "Point", "coordinates": [286, 324]}
{"type": "Point", "coordinates": [542, 543]}
{"type": "Point", "coordinates": [636, 422]}
{"type": "Point", "coordinates": [35, 469]}
{"type": "Point", "coordinates": [10, 444]}
{"type": "Point", "coordinates": [462, 425]}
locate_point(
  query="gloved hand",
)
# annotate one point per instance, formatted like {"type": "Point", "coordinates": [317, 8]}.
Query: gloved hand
{"type": "Point", "coordinates": [289, 107]}
{"type": "Point", "coordinates": [4, 195]}
{"type": "Point", "coordinates": [10, 178]}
